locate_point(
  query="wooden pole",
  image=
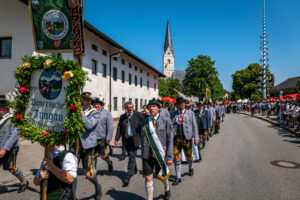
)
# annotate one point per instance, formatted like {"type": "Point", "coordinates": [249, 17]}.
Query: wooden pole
{"type": "Point", "coordinates": [45, 181]}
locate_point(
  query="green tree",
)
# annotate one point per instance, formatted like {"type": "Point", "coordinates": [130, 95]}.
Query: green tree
{"type": "Point", "coordinates": [245, 83]}
{"type": "Point", "coordinates": [166, 86]}
{"type": "Point", "coordinates": [298, 87]}
{"type": "Point", "coordinates": [201, 74]}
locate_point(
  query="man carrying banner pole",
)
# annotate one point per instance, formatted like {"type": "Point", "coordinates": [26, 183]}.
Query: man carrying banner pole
{"type": "Point", "coordinates": [157, 148]}
{"type": "Point", "coordinates": [88, 141]}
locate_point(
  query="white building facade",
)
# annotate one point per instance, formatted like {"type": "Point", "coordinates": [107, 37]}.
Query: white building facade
{"type": "Point", "coordinates": [132, 79]}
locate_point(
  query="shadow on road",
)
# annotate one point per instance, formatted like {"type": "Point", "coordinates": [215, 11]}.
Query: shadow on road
{"type": "Point", "coordinates": [14, 188]}
{"type": "Point", "coordinates": [118, 195]}
{"type": "Point", "coordinates": [295, 139]}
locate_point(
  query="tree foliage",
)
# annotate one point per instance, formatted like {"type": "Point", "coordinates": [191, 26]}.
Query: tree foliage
{"type": "Point", "coordinates": [201, 74]}
{"type": "Point", "coordinates": [167, 86]}
{"type": "Point", "coordinates": [246, 84]}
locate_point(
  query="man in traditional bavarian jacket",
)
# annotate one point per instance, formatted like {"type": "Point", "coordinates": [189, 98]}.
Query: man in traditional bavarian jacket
{"type": "Point", "coordinates": [157, 148]}
{"type": "Point", "coordinates": [88, 141]}
{"type": "Point", "coordinates": [61, 172]}
{"type": "Point", "coordinates": [185, 128]}
{"type": "Point", "coordinates": [203, 122]}
{"type": "Point", "coordinates": [129, 128]}
{"type": "Point", "coordinates": [104, 132]}
{"type": "Point", "coordinates": [9, 145]}
{"type": "Point", "coordinates": [212, 114]}
{"type": "Point", "coordinates": [162, 111]}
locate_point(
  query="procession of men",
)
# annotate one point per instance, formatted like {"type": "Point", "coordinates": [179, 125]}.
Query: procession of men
{"type": "Point", "coordinates": [165, 135]}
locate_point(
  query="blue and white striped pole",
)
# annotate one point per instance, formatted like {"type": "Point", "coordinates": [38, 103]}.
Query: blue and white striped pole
{"type": "Point", "coordinates": [264, 50]}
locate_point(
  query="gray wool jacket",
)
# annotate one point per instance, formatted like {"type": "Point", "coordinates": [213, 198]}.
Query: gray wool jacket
{"type": "Point", "coordinates": [9, 137]}
{"type": "Point", "coordinates": [89, 136]}
{"type": "Point", "coordinates": [164, 130]}
{"type": "Point", "coordinates": [105, 127]}
{"type": "Point", "coordinates": [190, 127]}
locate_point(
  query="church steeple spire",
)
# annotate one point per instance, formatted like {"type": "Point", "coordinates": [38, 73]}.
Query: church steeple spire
{"type": "Point", "coordinates": [168, 55]}
{"type": "Point", "coordinates": [168, 40]}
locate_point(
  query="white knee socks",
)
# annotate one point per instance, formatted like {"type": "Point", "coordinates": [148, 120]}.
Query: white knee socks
{"type": "Point", "coordinates": [149, 190]}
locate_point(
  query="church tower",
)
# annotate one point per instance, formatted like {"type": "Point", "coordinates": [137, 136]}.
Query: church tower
{"type": "Point", "coordinates": [168, 54]}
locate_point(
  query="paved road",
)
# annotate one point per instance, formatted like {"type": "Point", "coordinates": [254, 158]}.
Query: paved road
{"type": "Point", "coordinates": [236, 165]}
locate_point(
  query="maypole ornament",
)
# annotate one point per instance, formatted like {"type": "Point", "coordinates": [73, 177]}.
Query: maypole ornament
{"type": "Point", "coordinates": [46, 105]}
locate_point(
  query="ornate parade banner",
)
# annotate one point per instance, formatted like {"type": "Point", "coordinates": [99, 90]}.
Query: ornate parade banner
{"type": "Point", "coordinates": [52, 25]}
{"type": "Point", "coordinates": [47, 103]}
{"type": "Point", "coordinates": [46, 108]}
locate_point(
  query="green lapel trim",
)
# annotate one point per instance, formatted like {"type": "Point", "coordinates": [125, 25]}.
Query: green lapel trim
{"type": "Point", "coordinates": [4, 123]}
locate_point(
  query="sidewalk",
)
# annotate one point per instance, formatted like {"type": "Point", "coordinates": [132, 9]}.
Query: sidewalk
{"type": "Point", "coordinates": [273, 120]}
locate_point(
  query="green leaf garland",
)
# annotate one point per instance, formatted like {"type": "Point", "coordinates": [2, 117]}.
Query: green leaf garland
{"type": "Point", "coordinates": [73, 122]}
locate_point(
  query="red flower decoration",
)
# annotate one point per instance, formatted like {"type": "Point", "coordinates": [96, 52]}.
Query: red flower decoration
{"type": "Point", "coordinates": [22, 89]}
{"type": "Point", "coordinates": [73, 107]}
{"type": "Point", "coordinates": [19, 117]}
{"type": "Point", "coordinates": [46, 133]}
{"type": "Point", "coordinates": [66, 130]}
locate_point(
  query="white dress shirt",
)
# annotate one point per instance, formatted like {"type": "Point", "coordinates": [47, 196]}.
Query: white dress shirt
{"type": "Point", "coordinates": [69, 164]}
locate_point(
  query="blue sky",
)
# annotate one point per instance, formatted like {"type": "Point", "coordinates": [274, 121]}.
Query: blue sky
{"type": "Point", "coordinates": [226, 30]}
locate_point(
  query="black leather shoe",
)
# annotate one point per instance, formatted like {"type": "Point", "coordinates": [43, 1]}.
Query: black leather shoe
{"type": "Point", "coordinates": [176, 181]}
{"type": "Point", "coordinates": [23, 187]}
{"type": "Point", "coordinates": [191, 172]}
{"type": "Point", "coordinates": [122, 157]}
{"type": "Point", "coordinates": [98, 193]}
{"type": "Point", "coordinates": [167, 195]}
{"type": "Point", "coordinates": [110, 166]}
{"type": "Point", "coordinates": [126, 182]}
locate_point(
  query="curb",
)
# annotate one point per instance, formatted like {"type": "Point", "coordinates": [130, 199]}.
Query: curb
{"type": "Point", "coordinates": [274, 123]}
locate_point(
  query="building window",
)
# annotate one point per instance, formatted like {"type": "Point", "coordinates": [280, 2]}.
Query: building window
{"type": "Point", "coordinates": [154, 86]}
{"type": "Point", "coordinates": [115, 58]}
{"type": "Point", "coordinates": [130, 100]}
{"type": "Point", "coordinates": [130, 65]}
{"type": "Point", "coordinates": [169, 61]}
{"type": "Point", "coordinates": [129, 79]}
{"type": "Point", "coordinates": [141, 70]}
{"type": "Point", "coordinates": [141, 103]}
{"type": "Point", "coordinates": [94, 67]}
{"type": "Point", "coordinates": [104, 70]}
{"type": "Point", "coordinates": [148, 85]}
{"type": "Point", "coordinates": [115, 103]}
{"type": "Point", "coordinates": [94, 47]}
{"type": "Point", "coordinates": [135, 68]}
{"type": "Point", "coordinates": [5, 47]}
{"type": "Point", "coordinates": [136, 104]}
{"type": "Point", "coordinates": [123, 76]}
{"type": "Point", "coordinates": [115, 74]}
{"type": "Point", "coordinates": [141, 82]}
{"type": "Point", "coordinates": [123, 61]}
{"type": "Point", "coordinates": [135, 80]}
{"type": "Point", "coordinates": [147, 74]}
{"type": "Point", "coordinates": [123, 103]}
{"type": "Point", "coordinates": [154, 77]}
{"type": "Point", "coordinates": [104, 52]}
{"type": "Point", "coordinates": [145, 102]}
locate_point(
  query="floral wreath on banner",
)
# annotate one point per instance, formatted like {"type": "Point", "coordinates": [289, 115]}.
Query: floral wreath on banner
{"type": "Point", "coordinates": [71, 72]}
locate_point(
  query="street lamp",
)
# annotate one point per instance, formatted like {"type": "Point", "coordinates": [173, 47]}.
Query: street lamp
{"type": "Point", "coordinates": [117, 54]}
